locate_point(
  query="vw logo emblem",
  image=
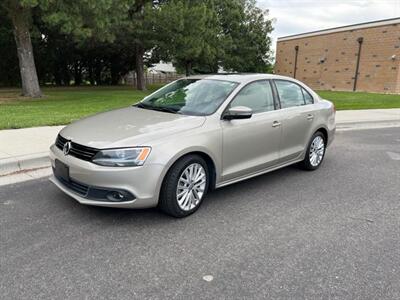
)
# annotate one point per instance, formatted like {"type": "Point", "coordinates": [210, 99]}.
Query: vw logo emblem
{"type": "Point", "coordinates": [67, 147]}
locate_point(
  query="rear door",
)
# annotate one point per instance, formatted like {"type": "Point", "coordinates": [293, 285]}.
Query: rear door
{"type": "Point", "coordinates": [297, 112]}
{"type": "Point", "coordinates": [250, 145]}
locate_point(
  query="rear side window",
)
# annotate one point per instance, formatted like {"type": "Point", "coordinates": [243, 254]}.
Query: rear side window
{"type": "Point", "coordinates": [290, 94]}
{"type": "Point", "coordinates": [257, 96]}
{"type": "Point", "coordinates": [307, 97]}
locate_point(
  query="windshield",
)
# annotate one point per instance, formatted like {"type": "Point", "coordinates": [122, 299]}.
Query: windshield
{"type": "Point", "coordinates": [190, 96]}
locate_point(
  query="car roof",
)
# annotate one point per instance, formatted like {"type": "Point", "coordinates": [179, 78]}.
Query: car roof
{"type": "Point", "coordinates": [239, 77]}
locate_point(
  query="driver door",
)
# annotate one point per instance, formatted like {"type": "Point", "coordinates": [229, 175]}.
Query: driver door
{"type": "Point", "coordinates": [251, 145]}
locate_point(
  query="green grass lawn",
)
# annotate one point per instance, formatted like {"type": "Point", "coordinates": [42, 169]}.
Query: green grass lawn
{"type": "Point", "coordinates": [360, 100]}
{"type": "Point", "coordinates": [62, 105]}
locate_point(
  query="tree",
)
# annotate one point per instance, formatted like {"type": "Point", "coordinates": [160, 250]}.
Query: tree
{"type": "Point", "coordinates": [138, 34]}
{"type": "Point", "coordinates": [20, 14]}
{"type": "Point", "coordinates": [9, 59]}
{"type": "Point", "coordinates": [99, 41]}
{"type": "Point", "coordinates": [245, 36]}
{"type": "Point", "coordinates": [81, 19]}
{"type": "Point", "coordinates": [208, 34]}
{"type": "Point", "coordinates": [187, 32]}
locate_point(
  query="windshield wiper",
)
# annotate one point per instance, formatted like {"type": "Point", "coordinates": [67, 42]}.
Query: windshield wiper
{"type": "Point", "coordinates": [158, 108]}
{"type": "Point", "coordinates": [165, 109]}
{"type": "Point", "coordinates": [141, 105]}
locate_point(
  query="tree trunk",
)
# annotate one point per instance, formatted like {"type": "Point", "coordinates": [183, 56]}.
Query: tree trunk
{"type": "Point", "coordinates": [57, 79]}
{"type": "Point", "coordinates": [91, 75]}
{"type": "Point", "coordinates": [114, 70]}
{"type": "Point", "coordinates": [21, 18]}
{"type": "Point", "coordinates": [188, 68]}
{"type": "Point", "coordinates": [140, 82]}
{"type": "Point", "coordinates": [57, 75]}
{"type": "Point", "coordinates": [77, 73]}
{"type": "Point", "coordinates": [97, 71]}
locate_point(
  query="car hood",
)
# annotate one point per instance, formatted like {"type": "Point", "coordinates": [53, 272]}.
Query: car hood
{"type": "Point", "coordinates": [128, 127]}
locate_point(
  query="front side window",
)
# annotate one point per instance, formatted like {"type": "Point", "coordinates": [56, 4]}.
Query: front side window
{"type": "Point", "coordinates": [198, 97]}
{"type": "Point", "coordinates": [257, 96]}
{"type": "Point", "coordinates": [290, 94]}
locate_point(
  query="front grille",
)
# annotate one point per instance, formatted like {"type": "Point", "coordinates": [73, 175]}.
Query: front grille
{"type": "Point", "coordinates": [78, 151]}
{"type": "Point", "coordinates": [77, 187]}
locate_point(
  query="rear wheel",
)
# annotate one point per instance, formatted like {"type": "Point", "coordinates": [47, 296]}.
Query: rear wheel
{"type": "Point", "coordinates": [315, 152]}
{"type": "Point", "coordinates": [184, 186]}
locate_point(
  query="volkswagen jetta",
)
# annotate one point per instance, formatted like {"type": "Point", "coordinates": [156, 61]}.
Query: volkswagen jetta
{"type": "Point", "coordinates": [191, 136]}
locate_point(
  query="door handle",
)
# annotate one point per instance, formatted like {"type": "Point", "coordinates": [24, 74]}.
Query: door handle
{"type": "Point", "coordinates": [276, 124]}
{"type": "Point", "coordinates": [310, 117]}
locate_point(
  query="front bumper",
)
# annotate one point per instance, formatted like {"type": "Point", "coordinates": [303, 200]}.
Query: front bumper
{"type": "Point", "coordinates": [142, 184]}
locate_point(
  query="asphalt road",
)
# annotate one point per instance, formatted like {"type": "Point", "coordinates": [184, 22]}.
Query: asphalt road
{"type": "Point", "coordinates": [329, 234]}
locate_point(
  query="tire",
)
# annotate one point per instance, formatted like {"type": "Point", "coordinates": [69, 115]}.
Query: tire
{"type": "Point", "coordinates": [172, 198]}
{"type": "Point", "coordinates": [312, 161]}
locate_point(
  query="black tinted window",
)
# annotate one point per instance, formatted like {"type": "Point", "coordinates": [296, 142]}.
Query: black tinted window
{"type": "Point", "coordinates": [257, 96]}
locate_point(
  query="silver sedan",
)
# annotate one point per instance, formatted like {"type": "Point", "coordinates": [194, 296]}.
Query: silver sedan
{"type": "Point", "coordinates": [192, 136]}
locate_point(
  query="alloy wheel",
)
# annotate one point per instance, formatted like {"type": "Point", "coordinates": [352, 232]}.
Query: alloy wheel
{"type": "Point", "coordinates": [191, 186]}
{"type": "Point", "coordinates": [317, 150]}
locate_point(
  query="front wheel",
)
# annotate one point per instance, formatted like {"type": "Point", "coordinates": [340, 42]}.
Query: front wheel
{"type": "Point", "coordinates": [184, 186]}
{"type": "Point", "coordinates": [315, 152]}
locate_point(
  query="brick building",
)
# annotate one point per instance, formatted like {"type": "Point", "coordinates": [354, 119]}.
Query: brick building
{"type": "Point", "coordinates": [361, 57]}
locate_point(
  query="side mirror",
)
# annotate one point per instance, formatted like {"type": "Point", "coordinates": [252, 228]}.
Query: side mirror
{"type": "Point", "coordinates": [238, 112]}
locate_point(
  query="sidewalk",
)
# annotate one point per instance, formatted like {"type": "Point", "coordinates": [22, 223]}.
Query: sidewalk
{"type": "Point", "coordinates": [25, 149]}
{"type": "Point", "coordinates": [367, 116]}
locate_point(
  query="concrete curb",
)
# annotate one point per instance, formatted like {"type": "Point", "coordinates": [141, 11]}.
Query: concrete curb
{"type": "Point", "coordinates": [366, 125]}
{"type": "Point", "coordinates": [23, 163]}
{"type": "Point", "coordinates": [397, 120]}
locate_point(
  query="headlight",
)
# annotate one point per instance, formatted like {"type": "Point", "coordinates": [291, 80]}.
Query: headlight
{"type": "Point", "coordinates": [126, 157]}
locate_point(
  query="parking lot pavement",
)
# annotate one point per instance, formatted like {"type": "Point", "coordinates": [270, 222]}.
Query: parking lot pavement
{"type": "Point", "coordinates": [329, 234]}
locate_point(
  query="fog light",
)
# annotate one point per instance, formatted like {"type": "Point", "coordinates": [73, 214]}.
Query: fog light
{"type": "Point", "coordinates": [117, 196]}
{"type": "Point", "coordinates": [109, 195]}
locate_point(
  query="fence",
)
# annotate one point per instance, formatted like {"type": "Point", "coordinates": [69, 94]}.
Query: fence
{"type": "Point", "coordinates": [149, 78]}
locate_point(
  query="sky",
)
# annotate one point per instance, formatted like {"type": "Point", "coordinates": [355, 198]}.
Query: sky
{"type": "Point", "coordinates": [298, 16]}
